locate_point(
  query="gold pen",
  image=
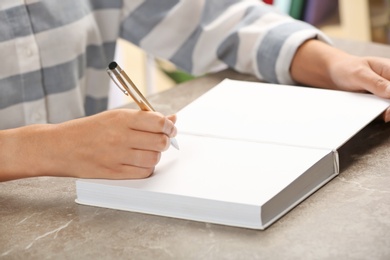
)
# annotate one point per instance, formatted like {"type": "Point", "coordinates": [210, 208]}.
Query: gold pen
{"type": "Point", "coordinates": [127, 86]}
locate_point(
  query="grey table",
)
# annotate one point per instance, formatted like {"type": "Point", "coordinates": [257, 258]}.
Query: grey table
{"type": "Point", "coordinates": [349, 218]}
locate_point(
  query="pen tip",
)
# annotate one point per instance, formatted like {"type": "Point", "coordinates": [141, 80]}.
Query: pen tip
{"type": "Point", "coordinates": [174, 143]}
{"type": "Point", "coordinates": [112, 65]}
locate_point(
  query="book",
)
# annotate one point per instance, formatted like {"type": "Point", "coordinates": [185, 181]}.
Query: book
{"type": "Point", "coordinates": [318, 10]}
{"type": "Point", "coordinates": [297, 9]}
{"type": "Point", "coordinates": [249, 153]}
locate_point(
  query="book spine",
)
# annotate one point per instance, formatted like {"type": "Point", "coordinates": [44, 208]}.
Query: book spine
{"type": "Point", "coordinates": [318, 10]}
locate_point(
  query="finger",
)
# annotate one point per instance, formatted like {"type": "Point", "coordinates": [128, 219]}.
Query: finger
{"type": "Point", "coordinates": [381, 67]}
{"type": "Point", "coordinates": [377, 80]}
{"type": "Point", "coordinates": [169, 127]}
{"type": "Point", "coordinates": [375, 83]}
{"type": "Point", "coordinates": [140, 158]}
{"type": "Point", "coordinates": [125, 172]}
{"type": "Point", "coordinates": [386, 115]}
{"type": "Point", "coordinates": [133, 172]}
{"type": "Point", "coordinates": [173, 118]}
{"type": "Point", "coordinates": [152, 122]}
{"type": "Point", "coordinates": [147, 141]}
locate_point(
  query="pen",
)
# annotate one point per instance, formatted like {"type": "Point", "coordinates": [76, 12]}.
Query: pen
{"type": "Point", "coordinates": [127, 86]}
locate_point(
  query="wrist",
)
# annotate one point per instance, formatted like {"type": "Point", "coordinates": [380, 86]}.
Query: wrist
{"type": "Point", "coordinates": [313, 64]}
{"type": "Point", "coordinates": [23, 152]}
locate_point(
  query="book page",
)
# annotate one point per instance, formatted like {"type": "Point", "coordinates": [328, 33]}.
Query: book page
{"type": "Point", "coordinates": [281, 114]}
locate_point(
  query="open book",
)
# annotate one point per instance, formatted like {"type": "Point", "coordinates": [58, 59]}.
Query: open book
{"type": "Point", "coordinates": [249, 152]}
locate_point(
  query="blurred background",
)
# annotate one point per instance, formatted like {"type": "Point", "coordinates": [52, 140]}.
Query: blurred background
{"type": "Point", "coordinates": [360, 20]}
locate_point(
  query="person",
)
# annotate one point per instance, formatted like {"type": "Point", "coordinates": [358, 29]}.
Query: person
{"type": "Point", "coordinates": [54, 88]}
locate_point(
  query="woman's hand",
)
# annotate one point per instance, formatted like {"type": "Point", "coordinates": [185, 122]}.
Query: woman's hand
{"type": "Point", "coordinates": [116, 144]}
{"type": "Point", "coordinates": [320, 65]}
{"type": "Point", "coordinates": [366, 74]}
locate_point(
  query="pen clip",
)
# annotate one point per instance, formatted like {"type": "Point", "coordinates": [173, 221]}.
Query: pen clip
{"type": "Point", "coordinates": [118, 83]}
{"type": "Point", "coordinates": [127, 86]}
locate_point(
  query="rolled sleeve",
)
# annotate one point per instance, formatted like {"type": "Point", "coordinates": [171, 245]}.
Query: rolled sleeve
{"type": "Point", "coordinates": [277, 48]}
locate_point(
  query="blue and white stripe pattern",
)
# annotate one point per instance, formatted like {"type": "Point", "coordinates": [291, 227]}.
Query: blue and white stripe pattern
{"type": "Point", "coordinates": [54, 53]}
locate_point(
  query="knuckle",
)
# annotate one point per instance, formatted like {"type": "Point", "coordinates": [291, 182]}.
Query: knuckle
{"type": "Point", "coordinates": [147, 159]}
{"type": "Point", "coordinates": [162, 143]}
{"type": "Point", "coordinates": [154, 158]}
{"type": "Point", "coordinates": [161, 123]}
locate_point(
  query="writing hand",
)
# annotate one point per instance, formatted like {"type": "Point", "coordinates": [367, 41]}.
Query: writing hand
{"type": "Point", "coordinates": [116, 144]}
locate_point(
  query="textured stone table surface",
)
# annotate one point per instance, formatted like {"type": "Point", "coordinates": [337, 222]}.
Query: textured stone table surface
{"type": "Point", "coordinates": [349, 218]}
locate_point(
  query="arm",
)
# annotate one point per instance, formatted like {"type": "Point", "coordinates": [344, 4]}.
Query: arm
{"type": "Point", "coordinates": [256, 39]}
{"type": "Point", "coordinates": [117, 144]}
{"type": "Point", "coordinates": [247, 36]}
{"type": "Point", "coordinates": [320, 65]}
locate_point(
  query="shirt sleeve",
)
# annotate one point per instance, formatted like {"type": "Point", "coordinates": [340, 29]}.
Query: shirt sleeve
{"type": "Point", "coordinates": [210, 35]}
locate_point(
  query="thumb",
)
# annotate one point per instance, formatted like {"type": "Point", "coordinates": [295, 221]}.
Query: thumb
{"type": "Point", "coordinates": [378, 81]}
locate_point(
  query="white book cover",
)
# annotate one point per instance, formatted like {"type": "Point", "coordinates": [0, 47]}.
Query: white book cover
{"type": "Point", "coordinates": [249, 152]}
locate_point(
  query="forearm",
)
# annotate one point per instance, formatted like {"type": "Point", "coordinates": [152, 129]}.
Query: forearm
{"type": "Point", "coordinates": [22, 152]}
{"type": "Point", "coordinates": [319, 65]}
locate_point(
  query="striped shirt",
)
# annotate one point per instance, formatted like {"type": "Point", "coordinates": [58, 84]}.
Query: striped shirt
{"type": "Point", "coordinates": [54, 53]}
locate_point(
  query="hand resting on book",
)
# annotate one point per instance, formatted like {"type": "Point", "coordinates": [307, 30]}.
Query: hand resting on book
{"type": "Point", "coordinates": [320, 65]}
